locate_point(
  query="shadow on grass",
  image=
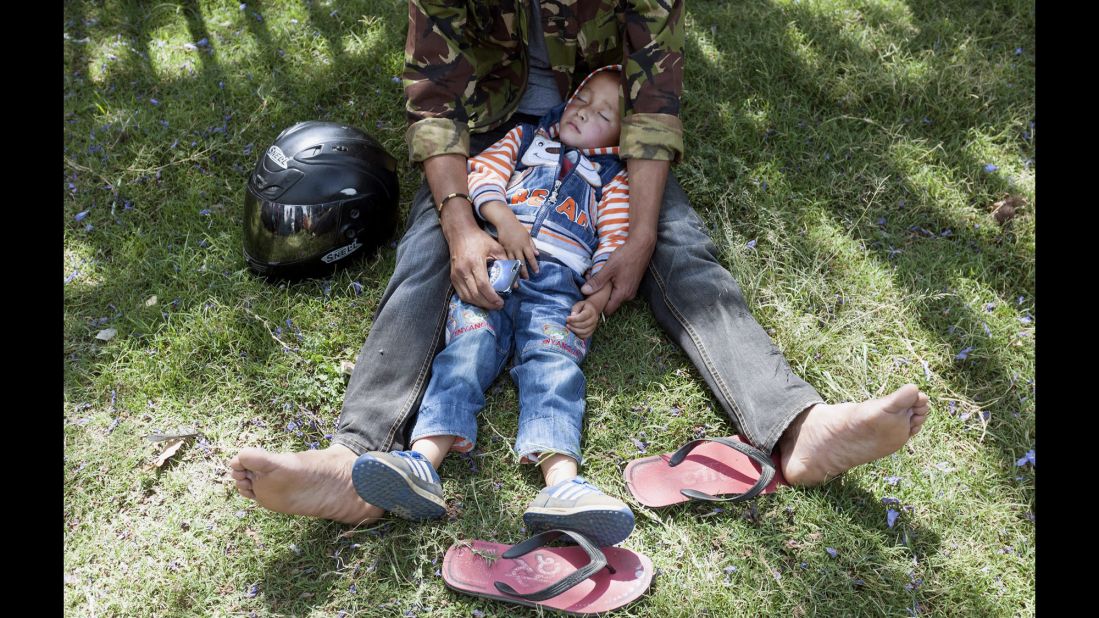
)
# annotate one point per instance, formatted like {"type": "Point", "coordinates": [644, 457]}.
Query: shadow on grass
{"type": "Point", "coordinates": [880, 112]}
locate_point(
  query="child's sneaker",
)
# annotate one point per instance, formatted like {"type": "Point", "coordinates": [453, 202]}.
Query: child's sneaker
{"type": "Point", "coordinates": [402, 482]}
{"type": "Point", "coordinates": [580, 506]}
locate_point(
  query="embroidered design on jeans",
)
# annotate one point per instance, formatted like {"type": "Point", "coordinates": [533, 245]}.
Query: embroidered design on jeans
{"type": "Point", "coordinates": [462, 319]}
{"type": "Point", "coordinates": [562, 339]}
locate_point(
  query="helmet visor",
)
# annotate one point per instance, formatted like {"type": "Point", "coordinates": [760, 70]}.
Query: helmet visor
{"type": "Point", "coordinates": [280, 234]}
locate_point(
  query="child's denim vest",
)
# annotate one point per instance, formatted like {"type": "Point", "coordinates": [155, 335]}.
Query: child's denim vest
{"type": "Point", "coordinates": [555, 208]}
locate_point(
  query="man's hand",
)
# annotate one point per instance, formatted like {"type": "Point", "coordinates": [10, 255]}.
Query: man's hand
{"type": "Point", "coordinates": [626, 266]}
{"type": "Point", "coordinates": [515, 238]}
{"type": "Point", "coordinates": [469, 255]}
{"type": "Point", "coordinates": [622, 273]}
{"type": "Point", "coordinates": [470, 247]}
{"type": "Point", "coordinates": [585, 313]}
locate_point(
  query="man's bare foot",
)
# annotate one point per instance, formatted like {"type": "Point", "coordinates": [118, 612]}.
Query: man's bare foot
{"type": "Point", "coordinates": [313, 483]}
{"type": "Point", "coordinates": [828, 440]}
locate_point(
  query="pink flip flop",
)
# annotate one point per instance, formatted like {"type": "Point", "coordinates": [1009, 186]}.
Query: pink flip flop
{"type": "Point", "coordinates": [711, 469]}
{"type": "Point", "coordinates": [581, 580]}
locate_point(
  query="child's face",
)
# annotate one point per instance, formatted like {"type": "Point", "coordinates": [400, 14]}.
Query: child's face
{"type": "Point", "coordinates": [592, 118]}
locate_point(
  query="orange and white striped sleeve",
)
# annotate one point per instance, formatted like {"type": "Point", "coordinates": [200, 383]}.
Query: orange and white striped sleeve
{"type": "Point", "coordinates": [490, 171]}
{"type": "Point", "coordinates": [612, 219]}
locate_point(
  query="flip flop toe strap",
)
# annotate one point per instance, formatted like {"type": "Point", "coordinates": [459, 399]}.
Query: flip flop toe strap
{"type": "Point", "coordinates": [767, 469]}
{"type": "Point", "coordinates": [596, 562]}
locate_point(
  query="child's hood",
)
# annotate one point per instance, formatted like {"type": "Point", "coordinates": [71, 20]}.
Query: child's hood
{"type": "Point", "coordinates": [551, 122]}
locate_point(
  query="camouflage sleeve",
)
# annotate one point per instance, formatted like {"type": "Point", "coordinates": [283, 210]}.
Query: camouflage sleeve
{"type": "Point", "coordinates": [436, 76]}
{"type": "Point", "coordinates": [654, 80]}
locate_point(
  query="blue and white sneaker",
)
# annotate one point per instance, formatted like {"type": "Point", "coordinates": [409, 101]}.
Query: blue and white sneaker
{"type": "Point", "coordinates": [402, 482]}
{"type": "Point", "coordinates": [578, 505]}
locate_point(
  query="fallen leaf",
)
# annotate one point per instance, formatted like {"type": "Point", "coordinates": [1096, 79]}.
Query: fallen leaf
{"type": "Point", "coordinates": [149, 302]}
{"type": "Point", "coordinates": [106, 334]}
{"type": "Point", "coordinates": [1005, 209]}
{"type": "Point", "coordinates": [170, 448]}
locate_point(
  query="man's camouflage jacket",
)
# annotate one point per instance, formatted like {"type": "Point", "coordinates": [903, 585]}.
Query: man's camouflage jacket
{"type": "Point", "coordinates": [466, 65]}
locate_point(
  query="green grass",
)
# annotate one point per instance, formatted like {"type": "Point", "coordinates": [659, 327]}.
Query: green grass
{"type": "Point", "coordinates": [848, 139]}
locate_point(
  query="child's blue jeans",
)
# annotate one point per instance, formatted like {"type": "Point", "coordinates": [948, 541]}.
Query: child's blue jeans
{"type": "Point", "coordinates": [547, 366]}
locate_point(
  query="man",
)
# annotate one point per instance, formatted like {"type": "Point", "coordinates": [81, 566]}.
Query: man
{"type": "Point", "coordinates": [472, 71]}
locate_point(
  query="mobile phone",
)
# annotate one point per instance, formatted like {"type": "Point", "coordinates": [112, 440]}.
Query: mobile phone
{"type": "Point", "coordinates": [502, 274]}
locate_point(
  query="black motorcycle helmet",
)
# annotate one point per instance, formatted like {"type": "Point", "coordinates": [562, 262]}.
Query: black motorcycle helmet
{"type": "Point", "coordinates": [322, 194]}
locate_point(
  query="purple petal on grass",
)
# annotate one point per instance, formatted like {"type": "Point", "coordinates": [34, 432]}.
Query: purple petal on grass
{"type": "Point", "coordinates": [881, 221]}
{"type": "Point", "coordinates": [477, 614]}
{"type": "Point", "coordinates": [80, 215]}
{"type": "Point", "coordinates": [252, 592]}
{"type": "Point", "coordinates": [1026, 319]}
{"type": "Point", "coordinates": [395, 79]}
{"type": "Point", "coordinates": [70, 278]}
{"type": "Point", "coordinates": [729, 570]}
{"type": "Point", "coordinates": [950, 406]}
{"type": "Point", "coordinates": [926, 369]}
{"type": "Point", "coordinates": [88, 228]}
{"type": "Point", "coordinates": [204, 212]}
{"type": "Point", "coordinates": [891, 517]}
{"type": "Point", "coordinates": [964, 416]}
{"type": "Point", "coordinates": [892, 480]}
{"type": "Point", "coordinates": [751, 244]}
{"type": "Point", "coordinates": [989, 168]}
{"type": "Point", "coordinates": [1026, 459]}
{"type": "Point", "coordinates": [988, 331]}
{"type": "Point", "coordinates": [357, 287]}
{"type": "Point", "coordinates": [888, 500]}
{"type": "Point", "coordinates": [154, 101]}
{"type": "Point", "coordinates": [964, 354]}
{"type": "Point", "coordinates": [1018, 51]}
{"type": "Point", "coordinates": [641, 446]}
{"type": "Point", "coordinates": [248, 149]}
{"type": "Point", "coordinates": [831, 551]}
{"type": "Point", "coordinates": [203, 42]}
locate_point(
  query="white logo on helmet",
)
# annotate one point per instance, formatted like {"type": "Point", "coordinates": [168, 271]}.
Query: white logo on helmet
{"type": "Point", "coordinates": [341, 253]}
{"type": "Point", "coordinates": [275, 154]}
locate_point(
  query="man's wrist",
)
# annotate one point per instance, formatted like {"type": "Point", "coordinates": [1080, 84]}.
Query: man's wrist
{"type": "Point", "coordinates": [457, 219]}
{"type": "Point", "coordinates": [641, 239]}
{"type": "Point", "coordinates": [452, 196]}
